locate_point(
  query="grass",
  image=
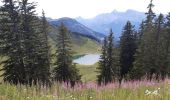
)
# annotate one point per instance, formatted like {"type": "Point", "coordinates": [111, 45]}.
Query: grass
{"type": "Point", "coordinates": [136, 90]}
{"type": "Point", "coordinates": [89, 91]}
{"type": "Point", "coordinates": [88, 47]}
{"type": "Point", "coordinates": [80, 45]}
{"type": "Point", "coordinates": [88, 72]}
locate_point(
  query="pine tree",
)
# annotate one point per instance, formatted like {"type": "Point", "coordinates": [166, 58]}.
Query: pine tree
{"type": "Point", "coordinates": [65, 70]}
{"type": "Point", "coordinates": [108, 64]}
{"type": "Point", "coordinates": [45, 33]}
{"type": "Point", "coordinates": [42, 71]}
{"type": "Point", "coordinates": [127, 49]}
{"type": "Point", "coordinates": [161, 59]}
{"type": "Point", "coordinates": [36, 62]}
{"type": "Point", "coordinates": [110, 59]}
{"type": "Point", "coordinates": [167, 48]}
{"type": "Point", "coordinates": [146, 54]}
{"type": "Point", "coordinates": [24, 44]}
{"type": "Point", "coordinates": [102, 69]}
{"type": "Point", "coordinates": [168, 29]}
{"type": "Point", "coordinates": [46, 46]}
{"type": "Point", "coordinates": [141, 32]}
{"type": "Point", "coordinates": [10, 43]}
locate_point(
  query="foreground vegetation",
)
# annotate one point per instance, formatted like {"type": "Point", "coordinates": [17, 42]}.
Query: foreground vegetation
{"type": "Point", "coordinates": [144, 90]}
{"type": "Point", "coordinates": [136, 90]}
{"type": "Point", "coordinates": [88, 72]}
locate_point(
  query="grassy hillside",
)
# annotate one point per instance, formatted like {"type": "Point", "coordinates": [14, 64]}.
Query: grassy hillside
{"type": "Point", "coordinates": [88, 72]}
{"type": "Point", "coordinates": [84, 45]}
{"type": "Point", "coordinates": [80, 44]}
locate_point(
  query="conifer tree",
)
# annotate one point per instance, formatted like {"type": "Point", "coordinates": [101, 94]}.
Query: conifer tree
{"type": "Point", "coordinates": [65, 70]}
{"type": "Point", "coordinates": [167, 48]}
{"type": "Point", "coordinates": [141, 32]}
{"type": "Point", "coordinates": [161, 57]}
{"type": "Point", "coordinates": [35, 45]}
{"type": "Point", "coordinates": [168, 29]}
{"type": "Point", "coordinates": [45, 34]}
{"type": "Point", "coordinates": [146, 55]}
{"type": "Point", "coordinates": [102, 69]}
{"type": "Point", "coordinates": [42, 72]}
{"type": "Point", "coordinates": [108, 65]}
{"type": "Point", "coordinates": [127, 49]}
{"type": "Point", "coordinates": [10, 43]}
{"type": "Point", "coordinates": [110, 59]}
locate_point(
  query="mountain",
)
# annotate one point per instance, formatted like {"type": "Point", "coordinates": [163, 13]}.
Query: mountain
{"type": "Point", "coordinates": [116, 20]}
{"type": "Point", "coordinates": [80, 44]}
{"type": "Point", "coordinates": [75, 27]}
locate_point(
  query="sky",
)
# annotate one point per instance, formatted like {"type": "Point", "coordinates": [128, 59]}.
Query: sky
{"type": "Point", "coordinates": [91, 8]}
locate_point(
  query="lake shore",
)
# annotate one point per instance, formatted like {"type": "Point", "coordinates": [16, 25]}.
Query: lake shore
{"type": "Point", "coordinates": [88, 59]}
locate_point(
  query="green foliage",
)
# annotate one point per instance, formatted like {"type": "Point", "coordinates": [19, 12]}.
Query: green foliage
{"type": "Point", "coordinates": [81, 45]}
{"type": "Point", "coordinates": [23, 43]}
{"type": "Point", "coordinates": [151, 58]}
{"type": "Point", "coordinates": [108, 65]}
{"type": "Point", "coordinates": [57, 91]}
{"type": "Point", "coordinates": [88, 72]}
{"type": "Point", "coordinates": [103, 65]}
{"type": "Point", "coordinates": [127, 49]}
{"type": "Point", "coordinates": [10, 43]}
{"type": "Point", "coordinates": [145, 56]}
{"type": "Point", "coordinates": [167, 39]}
{"type": "Point", "coordinates": [65, 70]}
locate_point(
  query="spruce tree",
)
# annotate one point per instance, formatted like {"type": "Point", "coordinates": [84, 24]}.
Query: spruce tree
{"type": "Point", "coordinates": [167, 48]}
{"type": "Point", "coordinates": [112, 60]}
{"type": "Point", "coordinates": [11, 43]}
{"type": "Point", "coordinates": [102, 69]}
{"type": "Point", "coordinates": [127, 49]}
{"type": "Point", "coordinates": [161, 57]}
{"type": "Point", "coordinates": [23, 43]}
{"type": "Point", "coordinates": [168, 28]}
{"type": "Point", "coordinates": [108, 64]}
{"type": "Point", "coordinates": [65, 71]}
{"type": "Point", "coordinates": [145, 57]}
{"type": "Point", "coordinates": [141, 32]}
{"type": "Point", "coordinates": [46, 41]}
{"type": "Point", "coordinates": [34, 36]}
{"type": "Point", "coordinates": [42, 71]}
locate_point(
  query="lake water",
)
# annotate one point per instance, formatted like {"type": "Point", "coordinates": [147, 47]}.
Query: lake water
{"type": "Point", "coordinates": [88, 59]}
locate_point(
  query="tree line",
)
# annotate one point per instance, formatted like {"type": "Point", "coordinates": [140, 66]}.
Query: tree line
{"type": "Point", "coordinates": [143, 53]}
{"type": "Point", "coordinates": [24, 45]}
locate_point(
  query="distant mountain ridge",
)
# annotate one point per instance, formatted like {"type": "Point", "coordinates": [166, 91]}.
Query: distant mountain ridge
{"type": "Point", "coordinates": [98, 27]}
{"type": "Point", "coordinates": [77, 28]}
{"type": "Point", "coordinates": [116, 20]}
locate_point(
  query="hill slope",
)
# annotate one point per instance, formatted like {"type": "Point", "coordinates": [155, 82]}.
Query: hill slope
{"type": "Point", "coordinates": [80, 44]}
{"type": "Point", "coordinates": [77, 28]}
